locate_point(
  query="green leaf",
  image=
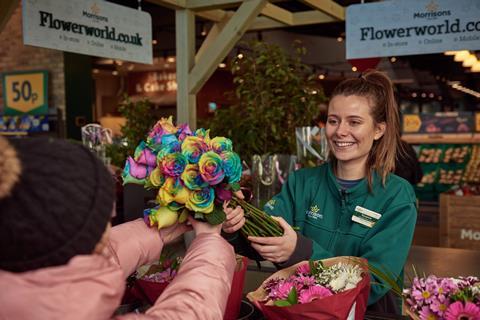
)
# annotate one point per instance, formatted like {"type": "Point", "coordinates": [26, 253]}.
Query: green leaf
{"type": "Point", "coordinates": [217, 216]}
{"type": "Point", "coordinates": [292, 296]}
{"type": "Point", "coordinates": [199, 216]}
{"type": "Point", "coordinates": [282, 303]}
{"type": "Point", "coordinates": [235, 186]}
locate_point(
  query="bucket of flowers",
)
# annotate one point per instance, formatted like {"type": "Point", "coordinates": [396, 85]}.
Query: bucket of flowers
{"type": "Point", "coordinates": [334, 288]}
{"type": "Point", "coordinates": [432, 297]}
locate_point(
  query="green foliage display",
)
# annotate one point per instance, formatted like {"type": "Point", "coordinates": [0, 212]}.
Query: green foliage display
{"type": "Point", "coordinates": [138, 123]}
{"type": "Point", "coordinates": [275, 93]}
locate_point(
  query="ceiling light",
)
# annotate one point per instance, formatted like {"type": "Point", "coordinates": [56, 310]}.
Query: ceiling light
{"type": "Point", "coordinates": [115, 72]}
{"type": "Point", "coordinates": [154, 42]}
{"type": "Point", "coordinates": [354, 69]}
{"type": "Point", "coordinates": [431, 95]}
{"type": "Point", "coordinates": [339, 39]}
{"type": "Point", "coordinates": [470, 61]}
{"type": "Point", "coordinates": [222, 65]}
{"type": "Point", "coordinates": [171, 59]}
{"type": "Point", "coordinates": [461, 55]}
{"type": "Point", "coordinates": [475, 67]}
{"type": "Point", "coordinates": [424, 95]}
{"type": "Point", "coordinates": [450, 53]}
{"type": "Point", "coordinates": [240, 56]}
{"type": "Point", "coordinates": [321, 76]}
{"type": "Point", "coordinates": [393, 59]}
{"type": "Point", "coordinates": [414, 95]}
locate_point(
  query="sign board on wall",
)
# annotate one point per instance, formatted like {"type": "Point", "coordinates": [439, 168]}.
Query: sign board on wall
{"type": "Point", "coordinates": [97, 28]}
{"type": "Point", "coordinates": [152, 82]}
{"type": "Point", "coordinates": [25, 92]}
{"type": "Point", "coordinates": [407, 27]}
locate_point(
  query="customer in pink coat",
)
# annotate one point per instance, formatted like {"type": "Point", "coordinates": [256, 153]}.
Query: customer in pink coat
{"type": "Point", "coordinates": [59, 258]}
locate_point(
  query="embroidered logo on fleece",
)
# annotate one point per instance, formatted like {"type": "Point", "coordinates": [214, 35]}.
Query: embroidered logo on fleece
{"type": "Point", "coordinates": [314, 213]}
{"type": "Point", "coordinates": [271, 204]}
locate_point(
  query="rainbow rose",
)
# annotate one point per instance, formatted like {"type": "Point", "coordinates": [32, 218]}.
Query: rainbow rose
{"type": "Point", "coordinates": [167, 192]}
{"type": "Point", "coordinates": [183, 132]}
{"type": "Point", "coordinates": [193, 147]}
{"type": "Point", "coordinates": [201, 200]}
{"type": "Point", "coordinates": [163, 126]}
{"type": "Point", "coordinates": [192, 179]}
{"type": "Point", "coordinates": [143, 155]}
{"type": "Point", "coordinates": [173, 164]}
{"type": "Point", "coordinates": [211, 168]}
{"type": "Point", "coordinates": [204, 134]}
{"type": "Point", "coordinates": [135, 172]}
{"type": "Point", "coordinates": [232, 166]}
{"type": "Point", "coordinates": [220, 144]}
{"type": "Point", "coordinates": [155, 179]}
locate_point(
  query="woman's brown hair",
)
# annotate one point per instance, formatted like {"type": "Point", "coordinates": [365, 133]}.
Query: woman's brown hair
{"type": "Point", "coordinates": [378, 89]}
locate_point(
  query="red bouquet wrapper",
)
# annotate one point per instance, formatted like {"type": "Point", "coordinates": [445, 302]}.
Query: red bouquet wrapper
{"type": "Point", "coordinates": [349, 304]}
{"type": "Point", "coordinates": [150, 290]}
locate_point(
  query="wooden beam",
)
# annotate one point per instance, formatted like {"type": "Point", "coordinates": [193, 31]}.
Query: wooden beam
{"type": "Point", "coordinates": [211, 4]}
{"type": "Point", "coordinates": [311, 17]}
{"type": "Point", "coordinates": [8, 6]}
{"type": "Point", "coordinates": [329, 7]}
{"type": "Point", "coordinates": [278, 14]}
{"type": "Point", "coordinates": [171, 4]}
{"type": "Point", "coordinates": [224, 42]}
{"type": "Point", "coordinates": [211, 37]}
{"type": "Point", "coordinates": [264, 23]}
{"type": "Point", "coordinates": [185, 44]}
{"type": "Point", "coordinates": [216, 15]}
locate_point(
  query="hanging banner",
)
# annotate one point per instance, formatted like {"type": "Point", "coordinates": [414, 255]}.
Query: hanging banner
{"type": "Point", "coordinates": [25, 92]}
{"type": "Point", "coordinates": [408, 27]}
{"type": "Point", "coordinates": [96, 28]}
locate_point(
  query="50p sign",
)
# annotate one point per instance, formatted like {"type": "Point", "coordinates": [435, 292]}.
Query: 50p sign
{"type": "Point", "coordinates": [25, 92]}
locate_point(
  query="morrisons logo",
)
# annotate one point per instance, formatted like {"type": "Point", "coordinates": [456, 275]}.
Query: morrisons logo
{"type": "Point", "coordinates": [431, 12]}
{"type": "Point", "coordinates": [95, 14]}
{"type": "Point", "coordinates": [470, 234]}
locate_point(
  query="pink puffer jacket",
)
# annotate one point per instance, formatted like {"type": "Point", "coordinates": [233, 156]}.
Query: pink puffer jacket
{"type": "Point", "coordinates": [91, 286]}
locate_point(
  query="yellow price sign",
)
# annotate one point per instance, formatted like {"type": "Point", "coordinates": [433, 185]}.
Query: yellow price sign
{"type": "Point", "coordinates": [411, 123]}
{"type": "Point", "coordinates": [25, 92]}
{"type": "Point", "coordinates": [477, 121]}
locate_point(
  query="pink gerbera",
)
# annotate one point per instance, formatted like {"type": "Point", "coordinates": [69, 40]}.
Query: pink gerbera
{"type": "Point", "coordinates": [459, 311]}
{"type": "Point", "coordinates": [313, 293]}
{"type": "Point", "coordinates": [284, 289]}
{"type": "Point", "coordinates": [304, 269]}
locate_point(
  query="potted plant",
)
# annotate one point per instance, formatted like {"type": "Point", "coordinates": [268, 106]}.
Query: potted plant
{"type": "Point", "coordinates": [275, 93]}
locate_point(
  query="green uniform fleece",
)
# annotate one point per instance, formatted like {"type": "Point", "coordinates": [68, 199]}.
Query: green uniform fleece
{"type": "Point", "coordinates": [313, 201]}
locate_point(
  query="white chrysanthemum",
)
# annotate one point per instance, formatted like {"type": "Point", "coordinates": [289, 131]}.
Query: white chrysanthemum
{"type": "Point", "coordinates": [338, 284]}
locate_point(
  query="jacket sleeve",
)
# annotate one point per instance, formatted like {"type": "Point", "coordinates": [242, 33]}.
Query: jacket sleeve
{"type": "Point", "coordinates": [133, 244]}
{"type": "Point", "coordinates": [202, 286]}
{"type": "Point", "coordinates": [386, 246]}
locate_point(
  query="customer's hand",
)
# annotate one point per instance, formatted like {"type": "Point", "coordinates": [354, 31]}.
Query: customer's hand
{"type": "Point", "coordinates": [204, 227]}
{"type": "Point", "coordinates": [173, 232]}
{"type": "Point", "coordinates": [276, 249]}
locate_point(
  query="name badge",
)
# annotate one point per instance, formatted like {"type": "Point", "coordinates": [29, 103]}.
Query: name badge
{"type": "Point", "coordinates": [365, 216]}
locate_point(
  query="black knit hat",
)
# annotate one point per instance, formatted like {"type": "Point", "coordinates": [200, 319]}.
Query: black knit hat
{"type": "Point", "coordinates": [55, 202]}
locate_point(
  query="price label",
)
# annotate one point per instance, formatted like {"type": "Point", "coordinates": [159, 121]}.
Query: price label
{"type": "Point", "coordinates": [477, 121]}
{"type": "Point", "coordinates": [25, 92]}
{"type": "Point", "coordinates": [411, 123]}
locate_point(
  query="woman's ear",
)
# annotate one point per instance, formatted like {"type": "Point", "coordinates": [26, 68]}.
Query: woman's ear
{"type": "Point", "coordinates": [380, 130]}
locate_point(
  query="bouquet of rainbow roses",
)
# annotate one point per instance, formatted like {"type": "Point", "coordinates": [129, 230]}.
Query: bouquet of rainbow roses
{"type": "Point", "coordinates": [194, 174]}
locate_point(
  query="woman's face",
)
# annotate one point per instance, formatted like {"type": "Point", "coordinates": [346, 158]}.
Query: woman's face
{"type": "Point", "coordinates": [351, 130]}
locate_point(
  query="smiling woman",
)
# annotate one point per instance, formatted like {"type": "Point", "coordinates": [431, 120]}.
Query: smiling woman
{"type": "Point", "coordinates": [352, 205]}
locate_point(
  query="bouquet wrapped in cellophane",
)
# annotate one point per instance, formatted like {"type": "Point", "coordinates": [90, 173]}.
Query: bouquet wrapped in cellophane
{"type": "Point", "coordinates": [194, 174]}
{"type": "Point", "coordinates": [334, 288]}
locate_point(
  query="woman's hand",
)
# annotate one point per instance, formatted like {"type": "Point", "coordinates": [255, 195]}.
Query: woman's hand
{"type": "Point", "coordinates": [235, 216]}
{"type": "Point", "coordinates": [276, 249]}
{"type": "Point", "coordinates": [204, 227]}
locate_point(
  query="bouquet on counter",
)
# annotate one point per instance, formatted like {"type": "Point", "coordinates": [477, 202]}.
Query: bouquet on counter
{"type": "Point", "coordinates": [335, 288]}
{"type": "Point", "coordinates": [443, 298]}
{"type": "Point", "coordinates": [194, 174]}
